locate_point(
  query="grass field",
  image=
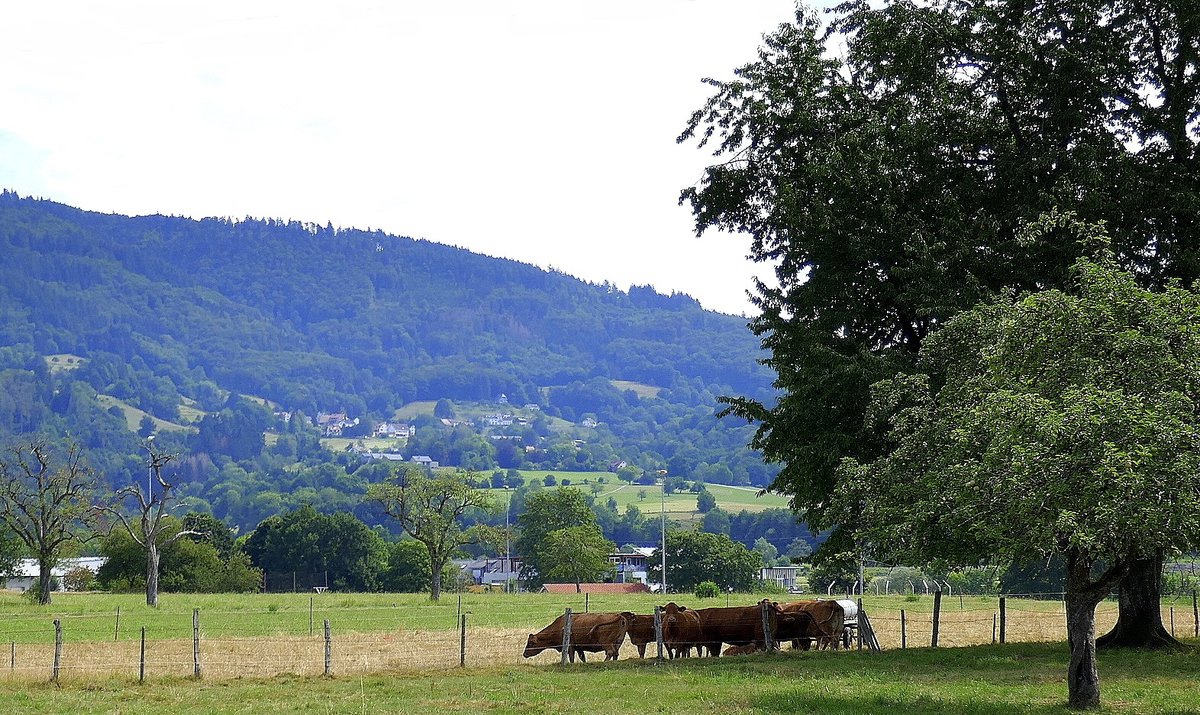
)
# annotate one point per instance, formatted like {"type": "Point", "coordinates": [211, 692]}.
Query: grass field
{"type": "Point", "coordinates": [133, 416]}
{"type": "Point", "coordinates": [680, 506]}
{"type": "Point", "coordinates": [1009, 679]}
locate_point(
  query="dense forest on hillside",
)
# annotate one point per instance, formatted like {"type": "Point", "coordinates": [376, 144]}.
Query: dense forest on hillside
{"type": "Point", "coordinates": [214, 328]}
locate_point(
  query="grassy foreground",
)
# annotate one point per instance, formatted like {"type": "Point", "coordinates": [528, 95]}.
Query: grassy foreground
{"type": "Point", "coordinates": [1020, 678]}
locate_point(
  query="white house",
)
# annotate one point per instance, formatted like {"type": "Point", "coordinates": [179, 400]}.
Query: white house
{"type": "Point", "coordinates": [25, 574]}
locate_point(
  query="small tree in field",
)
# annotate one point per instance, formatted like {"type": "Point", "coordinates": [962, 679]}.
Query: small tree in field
{"type": "Point", "coordinates": [1059, 424]}
{"type": "Point", "coordinates": [150, 530]}
{"type": "Point", "coordinates": [577, 554]}
{"type": "Point", "coordinates": [47, 505]}
{"type": "Point", "coordinates": [430, 509]}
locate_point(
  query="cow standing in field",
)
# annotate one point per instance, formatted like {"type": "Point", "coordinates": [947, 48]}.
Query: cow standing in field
{"type": "Point", "coordinates": [740, 625]}
{"type": "Point", "coordinates": [681, 630]}
{"type": "Point", "coordinates": [827, 619]}
{"type": "Point", "coordinates": [590, 632]}
{"type": "Point", "coordinates": [641, 632]}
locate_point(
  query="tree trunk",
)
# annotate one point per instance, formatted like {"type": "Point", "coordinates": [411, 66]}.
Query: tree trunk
{"type": "Point", "coordinates": [1082, 597]}
{"type": "Point", "coordinates": [152, 575]}
{"type": "Point", "coordinates": [435, 581]}
{"type": "Point", "coordinates": [1139, 615]}
{"type": "Point", "coordinates": [44, 567]}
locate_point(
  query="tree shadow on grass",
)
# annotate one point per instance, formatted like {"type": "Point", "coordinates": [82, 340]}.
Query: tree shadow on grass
{"type": "Point", "coordinates": [851, 703]}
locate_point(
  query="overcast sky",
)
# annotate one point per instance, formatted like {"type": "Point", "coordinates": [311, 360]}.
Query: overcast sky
{"type": "Point", "coordinates": [540, 130]}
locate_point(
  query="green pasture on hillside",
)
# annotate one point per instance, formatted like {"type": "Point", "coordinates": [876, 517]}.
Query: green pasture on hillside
{"type": "Point", "coordinates": [679, 506]}
{"type": "Point", "coordinates": [133, 416]}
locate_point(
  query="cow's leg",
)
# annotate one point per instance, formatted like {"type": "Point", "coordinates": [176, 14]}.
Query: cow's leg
{"type": "Point", "coordinates": [641, 650]}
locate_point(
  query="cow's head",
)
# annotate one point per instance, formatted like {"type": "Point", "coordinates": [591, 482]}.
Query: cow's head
{"type": "Point", "coordinates": [671, 611]}
{"type": "Point", "coordinates": [534, 645]}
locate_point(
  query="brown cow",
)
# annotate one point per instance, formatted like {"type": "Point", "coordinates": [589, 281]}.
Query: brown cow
{"type": "Point", "coordinates": [681, 630]}
{"type": "Point", "coordinates": [641, 632]}
{"type": "Point", "coordinates": [592, 632]}
{"type": "Point", "coordinates": [827, 618]}
{"type": "Point", "coordinates": [738, 625]}
{"type": "Point", "coordinates": [741, 649]}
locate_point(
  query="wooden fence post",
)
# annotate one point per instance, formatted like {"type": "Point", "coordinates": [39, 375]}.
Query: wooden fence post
{"type": "Point", "coordinates": [1172, 621]}
{"type": "Point", "coordinates": [1195, 615]}
{"type": "Point", "coordinates": [658, 638]}
{"type": "Point", "coordinates": [196, 642]}
{"type": "Point", "coordinates": [57, 650]}
{"type": "Point", "coordinates": [903, 631]}
{"type": "Point", "coordinates": [310, 615]}
{"type": "Point", "coordinates": [1003, 621]}
{"type": "Point", "coordinates": [142, 659]}
{"type": "Point", "coordinates": [993, 628]}
{"type": "Point", "coordinates": [462, 642]}
{"type": "Point", "coordinates": [768, 636]}
{"type": "Point", "coordinates": [117, 626]}
{"type": "Point", "coordinates": [586, 602]}
{"type": "Point", "coordinates": [937, 616]}
{"type": "Point", "coordinates": [328, 651]}
{"type": "Point", "coordinates": [566, 644]}
{"type": "Point", "coordinates": [12, 663]}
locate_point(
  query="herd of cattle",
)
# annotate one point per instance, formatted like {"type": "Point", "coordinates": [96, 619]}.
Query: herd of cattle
{"type": "Point", "coordinates": [741, 628]}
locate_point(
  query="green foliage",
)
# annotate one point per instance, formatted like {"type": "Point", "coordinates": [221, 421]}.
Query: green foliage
{"type": "Point", "coordinates": [546, 512]}
{"type": "Point", "coordinates": [576, 554]}
{"type": "Point", "coordinates": [705, 502]}
{"type": "Point", "coordinates": [304, 540]}
{"type": "Point", "coordinates": [185, 566]}
{"type": "Point", "coordinates": [79, 579]}
{"type": "Point", "coordinates": [693, 557]}
{"type": "Point", "coordinates": [961, 121]}
{"type": "Point", "coordinates": [408, 569]}
{"type": "Point", "coordinates": [430, 509]}
{"type": "Point", "coordinates": [707, 589]}
{"type": "Point", "coordinates": [841, 575]}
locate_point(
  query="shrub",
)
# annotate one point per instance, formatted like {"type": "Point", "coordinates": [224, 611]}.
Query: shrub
{"type": "Point", "coordinates": [707, 589]}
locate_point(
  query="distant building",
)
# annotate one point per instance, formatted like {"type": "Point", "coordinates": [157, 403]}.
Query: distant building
{"type": "Point", "coordinates": [783, 575]}
{"type": "Point", "coordinates": [613, 588]}
{"type": "Point", "coordinates": [425, 461]}
{"type": "Point", "coordinates": [25, 575]}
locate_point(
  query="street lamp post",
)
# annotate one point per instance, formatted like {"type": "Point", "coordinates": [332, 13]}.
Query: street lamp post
{"type": "Point", "coordinates": [507, 540]}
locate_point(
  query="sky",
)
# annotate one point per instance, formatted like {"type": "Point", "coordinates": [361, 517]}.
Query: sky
{"type": "Point", "coordinates": [538, 130]}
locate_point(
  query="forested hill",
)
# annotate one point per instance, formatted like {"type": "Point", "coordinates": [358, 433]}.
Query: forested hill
{"type": "Point", "coordinates": [214, 333]}
{"type": "Point", "coordinates": [318, 318]}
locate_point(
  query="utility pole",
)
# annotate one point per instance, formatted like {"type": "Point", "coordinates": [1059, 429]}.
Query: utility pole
{"type": "Point", "coordinates": [663, 509]}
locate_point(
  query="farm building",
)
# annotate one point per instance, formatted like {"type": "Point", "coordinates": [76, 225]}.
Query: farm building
{"type": "Point", "coordinates": [25, 574]}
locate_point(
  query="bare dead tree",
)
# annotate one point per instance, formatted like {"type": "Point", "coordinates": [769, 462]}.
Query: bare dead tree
{"type": "Point", "coordinates": [46, 503]}
{"type": "Point", "coordinates": [145, 523]}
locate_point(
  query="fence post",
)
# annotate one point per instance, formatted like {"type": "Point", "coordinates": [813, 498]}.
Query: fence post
{"type": "Point", "coordinates": [142, 659]}
{"type": "Point", "coordinates": [328, 651]}
{"type": "Point", "coordinates": [937, 615]}
{"type": "Point", "coordinates": [462, 642]}
{"type": "Point", "coordinates": [1172, 621]}
{"type": "Point", "coordinates": [1003, 620]}
{"type": "Point", "coordinates": [117, 626]}
{"type": "Point", "coordinates": [1195, 615]}
{"type": "Point", "coordinates": [310, 615]}
{"type": "Point", "coordinates": [858, 632]}
{"type": "Point", "coordinates": [993, 628]}
{"type": "Point", "coordinates": [768, 636]}
{"type": "Point", "coordinates": [12, 663]}
{"type": "Point", "coordinates": [458, 613]}
{"type": "Point", "coordinates": [658, 639]}
{"type": "Point", "coordinates": [586, 602]}
{"type": "Point", "coordinates": [196, 642]}
{"type": "Point", "coordinates": [57, 650]}
{"type": "Point", "coordinates": [566, 644]}
{"type": "Point", "coordinates": [903, 631]}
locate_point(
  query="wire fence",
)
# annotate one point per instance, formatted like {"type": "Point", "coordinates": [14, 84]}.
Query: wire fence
{"type": "Point", "coordinates": [336, 639]}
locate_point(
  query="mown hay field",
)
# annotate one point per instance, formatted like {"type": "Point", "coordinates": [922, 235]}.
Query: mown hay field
{"type": "Point", "coordinates": [263, 635]}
